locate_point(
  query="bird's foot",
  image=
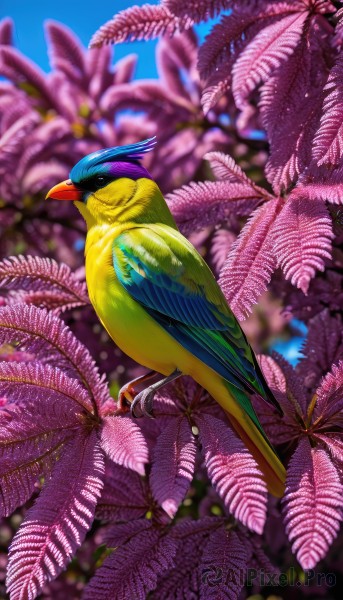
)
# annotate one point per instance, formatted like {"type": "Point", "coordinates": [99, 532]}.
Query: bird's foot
{"type": "Point", "coordinates": [143, 401]}
{"type": "Point", "coordinates": [129, 391]}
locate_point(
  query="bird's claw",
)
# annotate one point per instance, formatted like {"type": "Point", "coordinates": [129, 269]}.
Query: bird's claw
{"type": "Point", "coordinates": [143, 402]}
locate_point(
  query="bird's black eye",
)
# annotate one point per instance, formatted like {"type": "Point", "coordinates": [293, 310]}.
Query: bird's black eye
{"type": "Point", "coordinates": [100, 180]}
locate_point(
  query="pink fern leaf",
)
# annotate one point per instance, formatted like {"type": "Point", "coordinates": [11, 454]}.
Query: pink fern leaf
{"type": "Point", "coordinates": [329, 402]}
{"type": "Point", "coordinates": [297, 83]}
{"type": "Point", "coordinates": [233, 472]}
{"type": "Point", "coordinates": [313, 503]}
{"type": "Point", "coordinates": [131, 571]}
{"type": "Point", "coordinates": [12, 140]}
{"type": "Point", "coordinates": [99, 73]}
{"type": "Point", "coordinates": [334, 444]}
{"type": "Point", "coordinates": [137, 23]}
{"type": "Point", "coordinates": [198, 10]}
{"type": "Point", "coordinates": [146, 96]}
{"type": "Point", "coordinates": [198, 205]}
{"type": "Point", "coordinates": [58, 522]}
{"type": "Point", "coordinates": [31, 439]}
{"type": "Point", "coordinates": [269, 48]}
{"type": "Point", "coordinates": [173, 464]}
{"type": "Point", "coordinates": [251, 260]}
{"type": "Point", "coordinates": [125, 69]}
{"type": "Point", "coordinates": [52, 301]}
{"type": "Point", "coordinates": [43, 274]}
{"type": "Point", "coordinates": [296, 397]}
{"type": "Point", "coordinates": [47, 337]}
{"type": "Point", "coordinates": [328, 142]}
{"type": "Point", "coordinates": [174, 57]}
{"type": "Point", "coordinates": [220, 45]}
{"type": "Point", "coordinates": [23, 382]}
{"type": "Point", "coordinates": [121, 533]}
{"type": "Point", "coordinates": [225, 168]}
{"type": "Point", "coordinates": [323, 348]}
{"type": "Point", "coordinates": [42, 175]}
{"type": "Point", "coordinates": [222, 242]}
{"type": "Point", "coordinates": [6, 32]}
{"type": "Point", "coordinates": [66, 52]}
{"type": "Point", "coordinates": [124, 443]}
{"type": "Point", "coordinates": [123, 496]}
{"type": "Point", "coordinates": [227, 38]}
{"type": "Point", "coordinates": [217, 85]}
{"type": "Point", "coordinates": [21, 70]}
{"type": "Point", "coordinates": [302, 239]}
{"type": "Point", "coordinates": [279, 430]}
{"type": "Point", "coordinates": [329, 191]}
{"type": "Point", "coordinates": [223, 563]}
{"type": "Point", "coordinates": [184, 579]}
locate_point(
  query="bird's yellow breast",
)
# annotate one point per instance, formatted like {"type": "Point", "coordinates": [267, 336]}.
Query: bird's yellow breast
{"type": "Point", "coordinates": [128, 324]}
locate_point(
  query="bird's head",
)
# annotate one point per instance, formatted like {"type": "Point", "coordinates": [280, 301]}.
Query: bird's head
{"type": "Point", "coordinates": [111, 186]}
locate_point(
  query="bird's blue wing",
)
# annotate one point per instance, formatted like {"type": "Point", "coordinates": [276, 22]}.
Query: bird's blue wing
{"type": "Point", "coordinates": [165, 274]}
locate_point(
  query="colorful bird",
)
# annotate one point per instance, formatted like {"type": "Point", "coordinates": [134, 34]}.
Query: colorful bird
{"type": "Point", "coordinates": [158, 299]}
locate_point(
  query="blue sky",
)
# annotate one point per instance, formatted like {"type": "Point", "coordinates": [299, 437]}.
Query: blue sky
{"type": "Point", "coordinates": [29, 17]}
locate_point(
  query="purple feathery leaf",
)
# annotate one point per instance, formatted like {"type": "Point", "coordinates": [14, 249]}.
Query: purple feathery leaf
{"type": "Point", "coordinates": [233, 472]}
{"type": "Point", "coordinates": [222, 242]}
{"type": "Point", "coordinates": [216, 59]}
{"type": "Point", "coordinates": [328, 142]}
{"type": "Point", "coordinates": [137, 23]}
{"type": "Point", "coordinates": [251, 260]}
{"type": "Point", "coordinates": [217, 85]}
{"type": "Point", "coordinates": [43, 274]}
{"type": "Point", "coordinates": [12, 140]}
{"type": "Point", "coordinates": [184, 579]}
{"type": "Point", "coordinates": [29, 382]}
{"type": "Point", "coordinates": [269, 48]}
{"type": "Point", "coordinates": [21, 70]}
{"type": "Point", "coordinates": [6, 32]}
{"type": "Point", "coordinates": [198, 205]}
{"type": "Point", "coordinates": [148, 95]}
{"type": "Point", "coordinates": [174, 57]}
{"type": "Point", "coordinates": [328, 191]}
{"type": "Point", "coordinates": [198, 10]}
{"type": "Point", "coordinates": [125, 69]}
{"type": "Point", "coordinates": [225, 168]}
{"type": "Point", "coordinates": [323, 348]}
{"type": "Point", "coordinates": [228, 38]}
{"type": "Point", "coordinates": [173, 464]}
{"type": "Point", "coordinates": [121, 533]}
{"type": "Point", "coordinates": [302, 239]}
{"type": "Point", "coordinates": [99, 72]}
{"type": "Point", "coordinates": [123, 496]}
{"type": "Point", "coordinates": [225, 39]}
{"type": "Point", "coordinates": [124, 443]}
{"type": "Point", "coordinates": [297, 83]}
{"type": "Point", "coordinates": [66, 50]}
{"type": "Point", "coordinates": [50, 340]}
{"type": "Point", "coordinates": [58, 522]}
{"type": "Point", "coordinates": [280, 430]}
{"type": "Point", "coordinates": [330, 394]}
{"type": "Point", "coordinates": [131, 571]}
{"type": "Point", "coordinates": [226, 551]}
{"type": "Point", "coordinates": [334, 443]}
{"type": "Point", "coordinates": [41, 175]}
{"type": "Point", "coordinates": [313, 503]}
{"type": "Point", "coordinates": [296, 397]}
{"type": "Point", "coordinates": [31, 439]}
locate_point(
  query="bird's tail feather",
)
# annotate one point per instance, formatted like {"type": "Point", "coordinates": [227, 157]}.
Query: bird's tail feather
{"type": "Point", "coordinates": [257, 442]}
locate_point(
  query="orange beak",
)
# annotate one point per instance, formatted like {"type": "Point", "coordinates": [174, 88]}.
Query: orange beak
{"type": "Point", "coordinates": [65, 190]}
